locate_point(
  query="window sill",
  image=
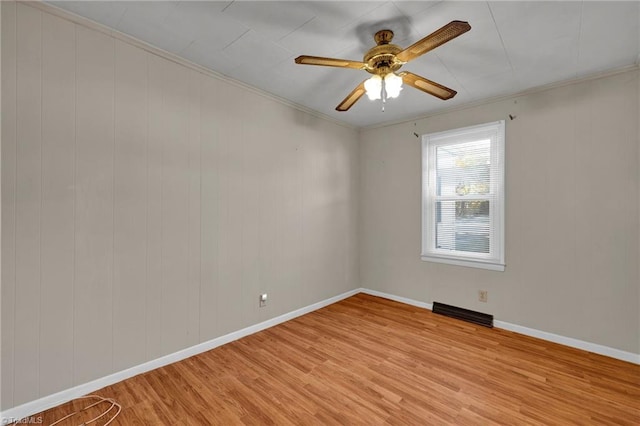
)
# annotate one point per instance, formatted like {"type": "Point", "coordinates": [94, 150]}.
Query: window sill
{"type": "Point", "coordinates": [466, 262]}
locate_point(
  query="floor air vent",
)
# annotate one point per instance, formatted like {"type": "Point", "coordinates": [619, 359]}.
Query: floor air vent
{"type": "Point", "coordinates": [463, 314]}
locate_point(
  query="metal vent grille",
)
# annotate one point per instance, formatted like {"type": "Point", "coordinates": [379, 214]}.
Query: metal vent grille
{"type": "Point", "coordinates": [479, 318]}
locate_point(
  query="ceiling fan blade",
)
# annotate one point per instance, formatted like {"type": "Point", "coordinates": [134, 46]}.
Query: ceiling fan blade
{"type": "Point", "coordinates": [450, 31]}
{"type": "Point", "coordinates": [352, 98]}
{"type": "Point", "coordinates": [330, 62]}
{"type": "Point", "coordinates": [432, 88]}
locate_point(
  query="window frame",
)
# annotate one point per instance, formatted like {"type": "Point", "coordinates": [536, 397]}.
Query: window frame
{"type": "Point", "coordinates": [494, 260]}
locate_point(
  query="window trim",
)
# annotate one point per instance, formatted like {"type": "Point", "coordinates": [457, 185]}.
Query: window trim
{"type": "Point", "coordinates": [495, 260]}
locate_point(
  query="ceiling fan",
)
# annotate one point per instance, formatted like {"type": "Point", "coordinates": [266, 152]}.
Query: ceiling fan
{"type": "Point", "coordinates": [384, 59]}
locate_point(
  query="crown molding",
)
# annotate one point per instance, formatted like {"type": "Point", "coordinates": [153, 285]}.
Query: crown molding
{"type": "Point", "coordinates": [88, 23]}
{"type": "Point", "coordinates": [533, 90]}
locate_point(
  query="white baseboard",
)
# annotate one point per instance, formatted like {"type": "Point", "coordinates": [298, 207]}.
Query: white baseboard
{"type": "Point", "coordinates": [555, 338]}
{"type": "Point", "coordinates": [571, 342]}
{"type": "Point", "coordinates": [50, 401]}
{"type": "Point", "coordinates": [400, 299]}
{"type": "Point", "coordinates": [30, 408]}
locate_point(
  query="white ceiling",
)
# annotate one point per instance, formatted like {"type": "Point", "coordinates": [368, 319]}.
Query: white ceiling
{"type": "Point", "coordinates": [512, 45]}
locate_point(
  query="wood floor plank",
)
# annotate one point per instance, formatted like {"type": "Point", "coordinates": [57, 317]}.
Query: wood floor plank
{"type": "Point", "coordinates": [369, 361]}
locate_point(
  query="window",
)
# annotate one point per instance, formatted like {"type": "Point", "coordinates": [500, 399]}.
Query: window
{"type": "Point", "coordinates": [463, 196]}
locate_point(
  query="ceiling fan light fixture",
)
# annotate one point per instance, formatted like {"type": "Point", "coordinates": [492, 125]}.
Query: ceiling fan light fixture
{"type": "Point", "coordinates": [391, 82]}
{"type": "Point", "coordinates": [373, 86]}
{"type": "Point", "coordinates": [393, 85]}
{"type": "Point", "coordinates": [384, 59]}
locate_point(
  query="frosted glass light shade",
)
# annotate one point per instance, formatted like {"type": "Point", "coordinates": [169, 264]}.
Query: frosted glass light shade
{"type": "Point", "coordinates": [393, 85]}
{"type": "Point", "coordinates": [373, 86]}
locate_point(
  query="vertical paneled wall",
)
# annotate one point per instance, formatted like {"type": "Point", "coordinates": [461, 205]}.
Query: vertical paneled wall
{"type": "Point", "coordinates": [146, 205]}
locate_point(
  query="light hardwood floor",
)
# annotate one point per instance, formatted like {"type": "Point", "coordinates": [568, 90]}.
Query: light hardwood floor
{"type": "Point", "coordinates": [367, 360]}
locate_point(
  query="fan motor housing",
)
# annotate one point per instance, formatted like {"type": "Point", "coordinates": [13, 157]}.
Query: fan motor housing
{"type": "Point", "coordinates": [381, 59]}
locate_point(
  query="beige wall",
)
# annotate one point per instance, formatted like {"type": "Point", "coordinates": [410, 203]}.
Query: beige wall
{"type": "Point", "coordinates": [145, 206]}
{"type": "Point", "coordinates": [571, 213]}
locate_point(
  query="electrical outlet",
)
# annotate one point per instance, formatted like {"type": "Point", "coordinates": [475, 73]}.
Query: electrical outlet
{"type": "Point", "coordinates": [483, 295]}
{"type": "Point", "coordinates": [263, 300]}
